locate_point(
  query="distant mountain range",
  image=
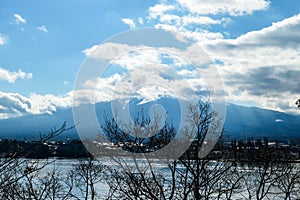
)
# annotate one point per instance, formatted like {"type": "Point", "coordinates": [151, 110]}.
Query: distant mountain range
{"type": "Point", "coordinates": [241, 122]}
{"type": "Point", "coordinates": [245, 122]}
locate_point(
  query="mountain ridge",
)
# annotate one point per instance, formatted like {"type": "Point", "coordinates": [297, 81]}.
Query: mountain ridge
{"type": "Point", "coordinates": [240, 122]}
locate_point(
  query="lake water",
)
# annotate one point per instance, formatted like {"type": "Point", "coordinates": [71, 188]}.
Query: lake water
{"type": "Point", "coordinates": [65, 165]}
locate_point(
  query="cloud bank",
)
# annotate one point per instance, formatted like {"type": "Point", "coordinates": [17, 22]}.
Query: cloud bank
{"type": "Point", "coordinates": [262, 65]}
{"type": "Point", "coordinates": [15, 104]}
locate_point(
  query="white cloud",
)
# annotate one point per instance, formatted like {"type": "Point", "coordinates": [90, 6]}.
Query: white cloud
{"type": "Point", "coordinates": [128, 22]}
{"type": "Point", "coordinates": [112, 50]}
{"type": "Point", "coordinates": [89, 51]}
{"type": "Point", "coordinates": [262, 65]}
{"type": "Point", "coordinates": [66, 83]}
{"type": "Point", "coordinates": [282, 34]}
{"type": "Point", "coordinates": [150, 79]}
{"type": "Point", "coordinates": [197, 35]}
{"type": "Point", "coordinates": [19, 19]}
{"type": "Point", "coordinates": [159, 9]}
{"type": "Point", "coordinates": [177, 18]}
{"type": "Point", "coordinates": [146, 76]}
{"type": "Point", "coordinates": [145, 82]}
{"type": "Point", "coordinates": [188, 73]}
{"type": "Point", "coordinates": [139, 57]}
{"type": "Point", "coordinates": [231, 7]}
{"type": "Point", "coordinates": [131, 57]}
{"type": "Point", "coordinates": [42, 28]}
{"type": "Point", "coordinates": [2, 40]}
{"type": "Point", "coordinates": [11, 77]}
{"type": "Point", "coordinates": [170, 19]}
{"type": "Point", "coordinates": [277, 44]}
{"type": "Point", "coordinates": [191, 19]}
{"type": "Point", "coordinates": [15, 104]}
{"type": "Point", "coordinates": [49, 103]}
{"type": "Point", "coordinates": [141, 21]}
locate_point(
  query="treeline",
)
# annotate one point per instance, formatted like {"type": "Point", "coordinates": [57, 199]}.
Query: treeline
{"type": "Point", "coordinates": [242, 151]}
{"type": "Point", "coordinates": [43, 149]}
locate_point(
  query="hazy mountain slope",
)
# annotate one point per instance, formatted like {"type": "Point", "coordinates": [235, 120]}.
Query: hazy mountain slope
{"type": "Point", "coordinates": [240, 121]}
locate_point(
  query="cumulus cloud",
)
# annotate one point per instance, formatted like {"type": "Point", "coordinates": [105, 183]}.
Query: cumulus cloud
{"type": "Point", "coordinates": [108, 51]}
{"type": "Point", "coordinates": [283, 34]}
{"type": "Point", "coordinates": [191, 19]}
{"type": "Point", "coordinates": [15, 104]}
{"type": "Point", "coordinates": [42, 28]}
{"type": "Point", "coordinates": [267, 81]}
{"type": "Point", "coordinates": [159, 10]}
{"type": "Point", "coordinates": [147, 83]}
{"type": "Point", "coordinates": [138, 58]}
{"type": "Point", "coordinates": [11, 77]}
{"type": "Point", "coordinates": [128, 22]}
{"type": "Point", "coordinates": [147, 77]}
{"type": "Point", "coordinates": [178, 18]}
{"type": "Point", "coordinates": [262, 65]}
{"type": "Point", "coordinates": [277, 44]}
{"type": "Point", "coordinates": [231, 7]}
{"type": "Point", "coordinates": [112, 50]}
{"type": "Point", "coordinates": [19, 19]}
{"type": "Point", "coordinates": [49, 103]}
{"type": "Point", "coordinates": [176, 15]}
{"type": "Point", "coordinates": [144, 72]}
{"type": "Point", "coordinates": [131, 57]}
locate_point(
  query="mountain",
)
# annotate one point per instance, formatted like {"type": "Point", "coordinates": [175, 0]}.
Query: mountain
{"type": "Point", "coordinates": [245, 122]}
{"type": "Point", "coordinates": [240, 122]}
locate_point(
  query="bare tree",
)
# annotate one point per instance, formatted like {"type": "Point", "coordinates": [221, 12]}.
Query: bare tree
{"type": "Point", "coordinates": [38, 183]}
{"type": "Point", "coordinates": [287, 185]}
{"type": "Point", "coordinates": [19, 175]}
{"type": "Point", "coordinates": [268, 177]}
{"type": "Point", "coordinates": [258, 180]}
{"type": "Point", "coordinates": [88, 173]}
{"type": "Point", "coordinates": [189, 177]}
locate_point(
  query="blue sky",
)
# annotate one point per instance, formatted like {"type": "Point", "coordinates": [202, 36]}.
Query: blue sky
{"type": "Point", "coordinates": [255, 44]}
{"type": "Point", "coordinates": [54, 56]}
